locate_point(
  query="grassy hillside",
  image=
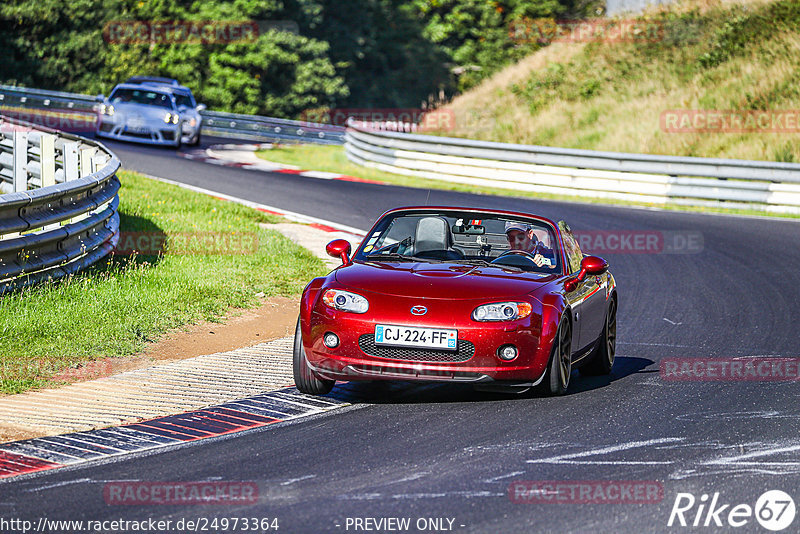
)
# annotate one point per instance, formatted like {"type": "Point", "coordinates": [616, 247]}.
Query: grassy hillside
{"type": "Point", "coordinates": [739, 56]}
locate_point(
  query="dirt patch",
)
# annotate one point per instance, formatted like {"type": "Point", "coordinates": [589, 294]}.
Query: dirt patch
{"type": "Point", "coordinates": [10, 433]}
{"type": "Point", "coordinates": [275, 318]}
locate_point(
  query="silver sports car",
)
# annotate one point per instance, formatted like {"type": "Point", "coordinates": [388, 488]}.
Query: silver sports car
{"type": "Point", "coordinates": [156, 111]}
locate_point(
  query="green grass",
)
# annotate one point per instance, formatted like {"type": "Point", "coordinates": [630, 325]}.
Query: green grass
{"type": "Point", "coordinates": [333, 159]}
{"type": "Point", "coordinates": [117, 307]}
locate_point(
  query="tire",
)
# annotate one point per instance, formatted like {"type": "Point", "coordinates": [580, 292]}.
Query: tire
{"type": "Point", "coordinates": [560, 367]}
{"type": "Point", "coordinates": [304, 378]}
{"type": "Point", "coordinates": [196, 140]}
{"type": "Point", "coordinates": [602, 359]}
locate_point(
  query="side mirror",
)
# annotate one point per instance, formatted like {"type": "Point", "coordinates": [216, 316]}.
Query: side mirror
{"type": "Point", "coordinates": [339, 248]}
{"type": "Point", "coordinates": [100, 98]}
{"type": "Point", "coordinates": [201, 107]}
{"type": "Point", "coordinates": [591, 265]}
{"type": "Point", "coordinates": [594, 265]}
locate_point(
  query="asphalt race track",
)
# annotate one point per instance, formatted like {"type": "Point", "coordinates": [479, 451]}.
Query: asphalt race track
{"type": "Point", "coordinates": [445, 451]}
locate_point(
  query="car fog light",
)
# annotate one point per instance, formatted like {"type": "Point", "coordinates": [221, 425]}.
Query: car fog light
{"type": "Point", "coordinates": [331, 340]}
{"type": "Point", "coordinates": [507, 352]}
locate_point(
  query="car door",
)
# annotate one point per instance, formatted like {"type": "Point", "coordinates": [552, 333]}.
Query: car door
{"type": "Point", "coordinates": [572, 267]}
{"type": "Point", "coordinates": [593, 308]}
{"type": "Point", "coordinates": [588, 301]}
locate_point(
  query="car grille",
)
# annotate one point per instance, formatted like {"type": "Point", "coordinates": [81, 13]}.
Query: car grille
{"type": "Point", "coordinates": [143, 135]}
{"type": "Point", "coordinates": [466, 350]}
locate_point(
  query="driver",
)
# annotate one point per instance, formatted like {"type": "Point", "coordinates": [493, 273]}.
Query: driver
{"type": "Point", "coordinates": [521, 237]}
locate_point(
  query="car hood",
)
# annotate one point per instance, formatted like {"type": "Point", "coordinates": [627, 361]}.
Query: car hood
{"type": "Point", "coordinates": [439, 280]}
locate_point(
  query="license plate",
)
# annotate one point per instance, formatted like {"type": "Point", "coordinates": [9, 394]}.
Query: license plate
{"type": "Point", "coordinates": [411, 336]}
{"type": "Point", "coordinates": [139, 130]}
{"type": "Point", "coordinates": [136, 124]}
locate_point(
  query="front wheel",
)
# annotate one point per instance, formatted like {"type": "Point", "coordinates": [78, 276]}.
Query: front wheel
{"type": "Point", "coordinates": [304, 378]}
{"type": "Point", "coordinates": [560, 367]}
{"type": "Point", "coordinates": [602, 359]}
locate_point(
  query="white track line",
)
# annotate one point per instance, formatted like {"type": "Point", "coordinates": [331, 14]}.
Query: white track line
{"type": "Point", "coordinates": [291, 215]}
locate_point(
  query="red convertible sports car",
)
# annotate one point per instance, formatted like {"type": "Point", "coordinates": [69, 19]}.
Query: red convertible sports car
{"type": "Point", "coordinates": [490, 297]}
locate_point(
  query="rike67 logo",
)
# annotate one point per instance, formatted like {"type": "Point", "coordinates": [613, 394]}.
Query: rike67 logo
{"type": "Point", "coordinates": [774, 510]}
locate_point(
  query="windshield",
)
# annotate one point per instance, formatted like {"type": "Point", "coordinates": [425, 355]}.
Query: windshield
{"type": "Point", "coordinates": [141, 96]}
{"type": "Point", "coordinates": [469, 237]}
{"type": "Point", "coordinates": [184, 99]}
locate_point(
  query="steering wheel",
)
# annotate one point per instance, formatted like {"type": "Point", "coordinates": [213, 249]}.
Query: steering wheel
{"type": "Point", "coordinates": [523, 254]}
{"type": "Point", "coordinates": [518, 252]}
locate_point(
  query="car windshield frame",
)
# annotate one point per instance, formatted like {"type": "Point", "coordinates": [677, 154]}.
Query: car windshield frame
{"type": "Point", "coordinates": [183, 95]}
{"type": "Point", "coordinates": [134, 97]}
{"type": "Point", "coordinates": [384, 240]}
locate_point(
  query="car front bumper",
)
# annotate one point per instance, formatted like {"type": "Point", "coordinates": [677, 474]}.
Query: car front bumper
{"type": "Point", "coordinates": [161, 134]}
{"type": "Point", "coordinates": [476, 360]}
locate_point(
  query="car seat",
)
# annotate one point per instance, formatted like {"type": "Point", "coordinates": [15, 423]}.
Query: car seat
{"type": "Point", "coordinates": [432, 239]}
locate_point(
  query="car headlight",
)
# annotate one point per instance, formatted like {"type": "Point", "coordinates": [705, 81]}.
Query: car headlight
{"type": "Point", "coordinates": [502, 311]}
{"type": "Point", "coordinates": [171, 117]}
{"type": "Point", "coordinates": [345, 301]}
{"type": "Point", "coordinates": [106, 109]}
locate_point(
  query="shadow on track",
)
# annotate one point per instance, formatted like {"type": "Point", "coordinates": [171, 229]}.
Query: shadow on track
{"type": "Point", "coordinates": [406, 392]}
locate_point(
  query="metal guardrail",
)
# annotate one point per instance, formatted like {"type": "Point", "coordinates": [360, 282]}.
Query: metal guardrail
{"type": "Point", "coordinates": [258, 128]}
{"type": "Point", "coordinates": [231, 125]}
{"type": "Point", "coordinates": [759, 185]}
{"type": "Point", "coordinates": [59, 211]}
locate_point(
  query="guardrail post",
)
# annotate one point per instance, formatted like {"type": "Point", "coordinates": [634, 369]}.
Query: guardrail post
{"type": "Point", "coordinates": [48, 159]}
{"type": "Point", "coordinates": [70, 161]}
{"type": "Point", "coordinates": [87, 165]}
{"type": "Point", "coordinates": [20, 161]}
{"type": "Point", "coordinates": [98, 162]}
{"type": "Point", "coordinates": [71, 166]}
{"type": "Point", "coordinates": [86, 161]}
